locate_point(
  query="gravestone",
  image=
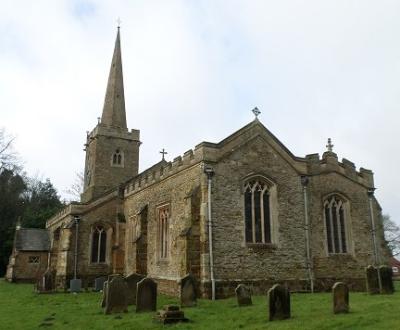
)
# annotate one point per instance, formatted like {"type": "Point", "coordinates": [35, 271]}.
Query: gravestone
{"type": "Point", "coordinates": [75, 285]}
{"type": "Point", "coordinates": [105, 286]}
{"type": "Point", "coordinates": [170, 314]}
{"type": "Point", "coordinates": [116, 296]}
{"type": "Point", "coordinates": [46, 283]}
{"type": "Point", "coordinates": [386, 279]}
{"type": "Point", "coordinates": [340, 293]}
{"type": "Point", "coordinates": [146, 295]}
{"type": "Point", "coordinates": [372, 280]}
{"type": "Point", "coordinates": [132, 281]}
{"type": "Point", "coordinates": [99, 283]}
{"type": "Point", "coordinates": [104, 297]}
{"type": "Point", "coordinates": [187, 291]}
{"type": "Point", "coordinates": [243, 295]}
{"type": "Point", "coordinates": [279, 303]}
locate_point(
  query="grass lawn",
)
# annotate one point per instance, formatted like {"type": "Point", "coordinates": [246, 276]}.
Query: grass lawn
{"type": "Point", "coordinates": [21, 308]}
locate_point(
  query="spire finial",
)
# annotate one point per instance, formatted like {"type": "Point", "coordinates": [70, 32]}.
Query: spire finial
{"type": "Point", "coordinates": [330, 146]}
{"type": "Point", "coordinates": [118, 23]}
{"type": "Point", "coordinates": [256, 112]}
{"type": "Point", "coordinates": [163, 152]}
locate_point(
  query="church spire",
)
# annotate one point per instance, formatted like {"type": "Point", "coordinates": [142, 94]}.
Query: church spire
{"type": "Point", "coordinates": [114, 103]}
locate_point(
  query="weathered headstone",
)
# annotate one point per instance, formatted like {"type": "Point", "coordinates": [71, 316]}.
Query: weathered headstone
{"type": "Point", "coordinates": [340, 293]}
{"type": "Point", "coordinates": [116, 296]}
{"type": "Point", "coordinates": [279, 303]}
{"type": "Point", "coordinates": [243, 295]}
{"type": "Point", "coordinates": [132, 280]}
{"type": "Point", "coordinates": [46, 283]}
{"type": "Point", "coordinates": [372, 280]}
{"type": "Point", "coordinates": [105, 286]}
{"type": "Point", "coordinates": [104, 296]}
{"type": "Point", "coordinates": [171, 314]}
{"type": "Point", "coordinates": [99, 283]}
{"type": "Point", "coordinates": [75, 285]}
{"type": "Point", "coordinates": [187, 288]}
{"type": "Point", "coordinates": [146, 295]}
{"type": "Point", "coordinates": [386, 279]}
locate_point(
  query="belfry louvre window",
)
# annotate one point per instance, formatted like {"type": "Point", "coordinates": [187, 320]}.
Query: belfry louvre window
{"type": "Point", "coordinates": [163, 219]}
{"type": "Point", "coordinates": [99, 241]}
{"type": "Point", "coordinates": [117, 158]}
{"type": "Point", "coordinates": [335, 222]}
{"type": "Point", "coordinates": [257, 212]}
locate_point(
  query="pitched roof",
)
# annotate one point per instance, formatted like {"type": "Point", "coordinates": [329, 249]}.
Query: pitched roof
{"type": "Point", "coordinates": [29, 239]}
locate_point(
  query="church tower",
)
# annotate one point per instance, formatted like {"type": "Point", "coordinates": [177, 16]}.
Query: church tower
{"type": "Point", "coordinates": [112, 151]}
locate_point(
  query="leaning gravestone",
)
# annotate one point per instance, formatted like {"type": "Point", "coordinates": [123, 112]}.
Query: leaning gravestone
{"type": "Point", "coordinates": [187, 288]}
{"type": "Point", "coordinates": [46, 282]}
{"type": "Point", "coordinates": [243, 295]}
{"type": "Point", "coordinates": [132, 281]}
{"type": "Point", "coordinates": [372, 280]}
{"type": "Point", "coordinates": [99, 283]}
{"type": "Point", "coordinates": [340, 298]}
{"type": "Point", "coordinates": [146, 295]}
{"type": "Point", "coordinates": [279, 303]}
{"type": "Point", "coordinates": [116, 296]}
{"type": "Point", "coordinates": [105, 287]}
{"type": "Point", "coordinates": [386, 279]}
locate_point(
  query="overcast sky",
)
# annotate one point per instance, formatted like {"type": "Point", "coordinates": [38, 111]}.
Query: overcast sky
{"type": "Point", "coordinates": [193, 70]}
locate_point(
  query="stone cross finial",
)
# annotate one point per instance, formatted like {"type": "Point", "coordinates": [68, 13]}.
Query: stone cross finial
{"type": "Point", "coordinates": [119, 22]}
{"type": "Point", "coordinates": [163, 152]}
{"type": "Point", "coordinates": [256, 112]}
{"type": "Point", "coordinates": [330, 146]}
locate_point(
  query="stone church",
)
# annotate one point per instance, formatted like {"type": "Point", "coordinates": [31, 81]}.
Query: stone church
{"type": "Point", "coordinates": [243, 210]}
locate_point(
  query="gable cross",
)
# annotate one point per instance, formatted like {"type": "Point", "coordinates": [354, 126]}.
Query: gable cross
{"type": "Point", "coordinates": [163, 152]}
{"type": "Point", "coordinates": [256, 112]}
{"type": "Point", "coordinates": [330, 146]}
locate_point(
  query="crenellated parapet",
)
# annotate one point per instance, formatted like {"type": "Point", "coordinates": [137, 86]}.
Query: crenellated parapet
{"type": "Point", "coordinates": [329, 163]}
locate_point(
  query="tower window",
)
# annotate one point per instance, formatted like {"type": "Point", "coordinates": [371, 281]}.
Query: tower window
{"type": "Point", "coordinates": [117, 158]}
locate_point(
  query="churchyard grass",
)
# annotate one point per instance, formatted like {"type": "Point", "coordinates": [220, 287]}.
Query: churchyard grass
{"type": "Point", "coordinates": [21, 308]}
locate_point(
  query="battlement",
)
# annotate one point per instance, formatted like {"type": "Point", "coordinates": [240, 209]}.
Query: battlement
{"type": "Point", "coordinates": [329, 163]}
{"type": "Point", "coordinates": [203, 151]}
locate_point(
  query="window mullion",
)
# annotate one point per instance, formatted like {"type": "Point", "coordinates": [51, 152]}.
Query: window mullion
{"type": "Point", "coordinates": [339, 229]}
{"type": "Point", "coordinates": [332, 231]}
{"type": "Point", "coordinates": [253, 217]}
{"type": "Point", "coordinates": [262, 216]}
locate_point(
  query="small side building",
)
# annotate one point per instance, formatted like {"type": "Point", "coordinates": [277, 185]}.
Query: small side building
{"type": "Point", "coordinates": [29, 258]}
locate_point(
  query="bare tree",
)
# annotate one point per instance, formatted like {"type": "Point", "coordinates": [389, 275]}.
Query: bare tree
{"type": "Point", "coordinates": [8, 157]}
{"type": "Point", "coordinates": [76, 188]}
{"type": "Point", "coordinates": [392, 234]}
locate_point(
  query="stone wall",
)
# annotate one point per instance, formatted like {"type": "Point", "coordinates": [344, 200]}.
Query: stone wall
{"type": "Point", "coordinates": [236, 261]}
{"type": "Point", "coordinates": [175, 191]}
{"type": "Point", "coordinates": [20, 270]}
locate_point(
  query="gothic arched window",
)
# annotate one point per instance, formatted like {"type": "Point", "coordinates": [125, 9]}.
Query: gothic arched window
{"type": "Point", "coordinates": [163, 232]}
{"type": "Point", "coordinates": [257, 211]}
{"type": "Point", "coordinates": [99, 242]}
{"type": "Point", "coordinates": [117, 158]}
{"type": "Point", "coordinates": [335, 223]}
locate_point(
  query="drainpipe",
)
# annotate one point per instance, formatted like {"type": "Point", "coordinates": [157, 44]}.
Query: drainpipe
{"type": "Point", "coordinates": [77, 219]}
{"type": "Point", "coordinates": [373, 230]}
{"type": "Point", "coordinates": [210, 173]}
{"type": "Point", "coordinates": [304, 182]}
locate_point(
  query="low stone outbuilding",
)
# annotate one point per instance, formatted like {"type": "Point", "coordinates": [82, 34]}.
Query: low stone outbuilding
{"type": "Point", "coordinates": [29, 258]}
